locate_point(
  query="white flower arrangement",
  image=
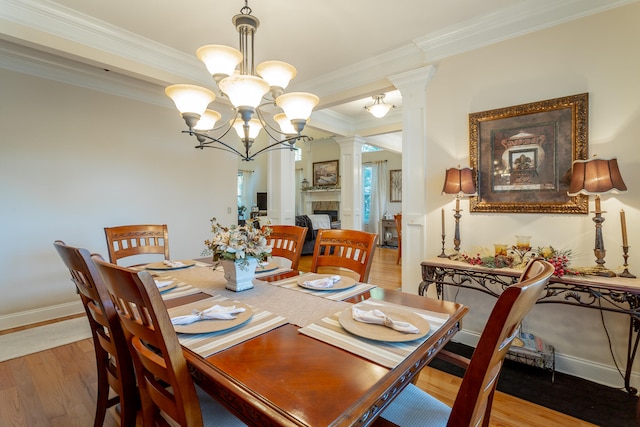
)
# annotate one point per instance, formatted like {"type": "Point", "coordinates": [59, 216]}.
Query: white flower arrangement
{"type": "Point", "coordinates": [237, 242]}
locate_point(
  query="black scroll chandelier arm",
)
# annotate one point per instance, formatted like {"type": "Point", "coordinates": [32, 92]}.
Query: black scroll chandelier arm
{"type": "Point", "coordinates": [206, 141]}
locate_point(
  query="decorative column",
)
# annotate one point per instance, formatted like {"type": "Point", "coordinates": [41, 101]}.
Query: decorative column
{"type": "Point", "coordinates": [351, 197]}
{"type": "Point", "coordinates": [281, 187]}
{"type": "Point", "coordinates": [413, 88]}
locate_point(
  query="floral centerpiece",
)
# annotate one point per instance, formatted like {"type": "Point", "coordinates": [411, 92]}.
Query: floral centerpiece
{"type": "Point", "coordinates": [237, 242]}
{"type": "Point", "coordinates": [238, 249]}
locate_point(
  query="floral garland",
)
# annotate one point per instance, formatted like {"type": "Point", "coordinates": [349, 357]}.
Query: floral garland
{"type": "Point", "coordinates": [322, 187]}
{"type": "Point", "coordinates": [560, 259]}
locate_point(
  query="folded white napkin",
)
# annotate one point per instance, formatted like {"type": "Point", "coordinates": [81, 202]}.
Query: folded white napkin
{"type": "Point", "coordinates": [325, 282]}
{"type": "Point", "coordinates": [216, 312]}
{"type": "Point", "coordinates": [162, 283]}
{"type": "Point", "coordinates": [379, 318]}
{"type": "Point", "coordinates": [172, 264]}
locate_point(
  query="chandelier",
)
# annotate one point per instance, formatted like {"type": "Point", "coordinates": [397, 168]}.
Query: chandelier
{"type": "Point", "coordinates": [249, 88]}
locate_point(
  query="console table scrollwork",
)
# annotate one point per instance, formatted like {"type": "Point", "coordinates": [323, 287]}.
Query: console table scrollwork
{"type": "Point", "coordinates": [614, 294]}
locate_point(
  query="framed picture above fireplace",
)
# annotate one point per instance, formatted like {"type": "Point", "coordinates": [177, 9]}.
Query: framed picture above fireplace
{"type": "Point", "coordinates": [325, 173]}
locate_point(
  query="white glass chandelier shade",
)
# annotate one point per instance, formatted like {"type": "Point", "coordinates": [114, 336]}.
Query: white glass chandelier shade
{"type": "Point", "coordinates": [285, 124]}
{"type": "Point", "coordinates": [276, 73]}
{"type": "Point", "coordinates": [297, 105]}
{"type": "Point", "coordinates": [219, 59]}
{"type": "Point", "coordinates": [244, 90]}
{"type": "Point", "coordinates": [207, 121]}
{"type": "Point", "coordinates": [254, 128]}
{"type": "Point", "coordinates": [190, 98]}
{"type": "Point", "coordinates": [379, 110]}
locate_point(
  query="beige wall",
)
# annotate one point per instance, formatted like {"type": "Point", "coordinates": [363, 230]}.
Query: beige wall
{"type": "Point", "coordinates": [598, 55]}
{"type": "Point", "coordinates": [73, 161]}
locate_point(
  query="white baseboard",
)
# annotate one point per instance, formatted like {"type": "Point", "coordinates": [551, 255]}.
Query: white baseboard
{"type": "Point", "coordinates": [591, 371]}
{"type": "Point", "coordinates": [29, 317]}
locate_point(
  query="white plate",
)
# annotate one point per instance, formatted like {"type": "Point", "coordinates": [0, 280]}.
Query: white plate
{"type": "Point", "coordinates": [344, 282]}
{"type": "Point", "coordinates": [168, 287]}
{"type": "Point", "coordinates": [213, 325]}
{"type": "Point", "coordinates": [271, 266]}
{"type": "Point", "coordinates": [384, 333]}
{"type": "Point", "coordinates": [161, 266]}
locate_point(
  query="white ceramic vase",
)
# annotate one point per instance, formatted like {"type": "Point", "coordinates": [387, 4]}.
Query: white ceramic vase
{"type": "Point", "coordinates": [239, 273]}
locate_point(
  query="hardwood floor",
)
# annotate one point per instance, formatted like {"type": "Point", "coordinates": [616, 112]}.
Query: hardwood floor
{"type": "Point", "coordinates": [57, 387]}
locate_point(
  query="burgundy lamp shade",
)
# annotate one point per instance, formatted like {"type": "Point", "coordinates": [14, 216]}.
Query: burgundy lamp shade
{"type": "Point", "coordinates": [596, 176]}
{"type": "Point", "coordinates": [460, 182]}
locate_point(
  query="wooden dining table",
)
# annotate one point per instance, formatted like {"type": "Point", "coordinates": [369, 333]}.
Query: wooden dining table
{"type": "Point", "coordinates": [304, 370]}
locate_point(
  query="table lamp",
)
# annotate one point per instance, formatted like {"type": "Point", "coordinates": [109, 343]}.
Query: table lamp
{"type": "Point", "coordinates": [461, 183]}
{"type": "Point", "coordinates": [594, 177]}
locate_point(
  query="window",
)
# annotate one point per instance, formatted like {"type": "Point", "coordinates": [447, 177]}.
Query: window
{"type": "Point", "coordinates": [240, 188]}
{"type": "Point", "coordinates": [366, 148]}
{"type": "Point", "coordinates": [298, 155]}
{"type": "Point", "coordinates": [367, 172]}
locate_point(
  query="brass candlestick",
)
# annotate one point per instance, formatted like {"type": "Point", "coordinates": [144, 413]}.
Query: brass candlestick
{"type": "Point", "coordinates": [456, 234]}
{"type": "Point", "coordinates": [599, 251]}
{"type": "Point", "coordinates": [625, 273]}
{"type": "Point", "coordinates": [442, 254]}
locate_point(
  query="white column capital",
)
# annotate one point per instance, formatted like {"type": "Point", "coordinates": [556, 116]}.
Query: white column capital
{"type": "Point", "coordinates": [357, 140]}
{"type": "Point", "coordinates": [413, 80]}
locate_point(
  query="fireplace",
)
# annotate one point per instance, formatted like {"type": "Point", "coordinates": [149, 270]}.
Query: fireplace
{"type": "Point", "coordinates": [332, 213]}
{"type": "Point", "coordinates": [322, 202]}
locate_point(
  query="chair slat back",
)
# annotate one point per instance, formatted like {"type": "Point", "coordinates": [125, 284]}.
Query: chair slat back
{"type": "Point", "coordinates": [286, 241]}
{"type": "Point", "coordinates": [473, 402]}
{"type": "Point", "coordinates": [350, 249]}
{"type": "Point", "coordinates": [163, 377]}
{"type": "Point", "coordinates": [129, 240]}
{"type": "Point", "coordinates": [115, 368]}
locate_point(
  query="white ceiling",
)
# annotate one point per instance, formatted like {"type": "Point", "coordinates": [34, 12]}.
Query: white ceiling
{"type": "Point", "coordinates": [344, 50]}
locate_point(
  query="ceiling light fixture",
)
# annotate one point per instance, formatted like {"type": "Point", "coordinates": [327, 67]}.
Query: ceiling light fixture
{"type": "Point", "coordinates": [379, 109]}
{"type": "Point", "coordinates": [246, 86]}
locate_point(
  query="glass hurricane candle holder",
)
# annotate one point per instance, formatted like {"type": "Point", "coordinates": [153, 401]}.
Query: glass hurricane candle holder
{"type": "Point", "coordinates": [500, 249]}
{"type": "Point", "coordinates": [523, 243]}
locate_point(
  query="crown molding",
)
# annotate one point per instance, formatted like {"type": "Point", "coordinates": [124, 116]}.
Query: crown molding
{"type": "Point", "coordinates": [68, 33]}
{"type": "Point", "coordinates": [51, 67]}
{"type": "Point", "coordinates": [520, 19]}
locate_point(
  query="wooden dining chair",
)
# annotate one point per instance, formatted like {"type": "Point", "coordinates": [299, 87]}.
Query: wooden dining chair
{"type": "Point", "coordinates": [472, 407]}
{"type": "Point", "coordinates": [286, 241]}
{"type": "Point", "coordinates": [114, 365]}
{"type": "Point", "coordinates": [350, 249]}
{"type": "Point", "coordinates": [165, 385]}
{"type": "Point", "coordinates": [129, 240]}
{"type": "Point", "coordinates": [398, 220]}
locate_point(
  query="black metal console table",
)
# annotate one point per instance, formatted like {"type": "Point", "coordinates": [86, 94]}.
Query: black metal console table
{"type": "Point", "coordinates": [614, 294]}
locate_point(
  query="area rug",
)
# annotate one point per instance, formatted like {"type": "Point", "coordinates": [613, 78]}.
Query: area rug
{"type": "Point", "coordinates": [576, 397]}
{"type": "Point", "coordinates": [33, 340]}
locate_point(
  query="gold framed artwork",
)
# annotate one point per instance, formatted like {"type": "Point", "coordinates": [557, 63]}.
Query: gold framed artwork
{"type": "Point", "coordinates": [523, 155]}
{"type": "Point", "coordinates": [325, 173]}
{"type": "Point", "coordinates": [395, 185]}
